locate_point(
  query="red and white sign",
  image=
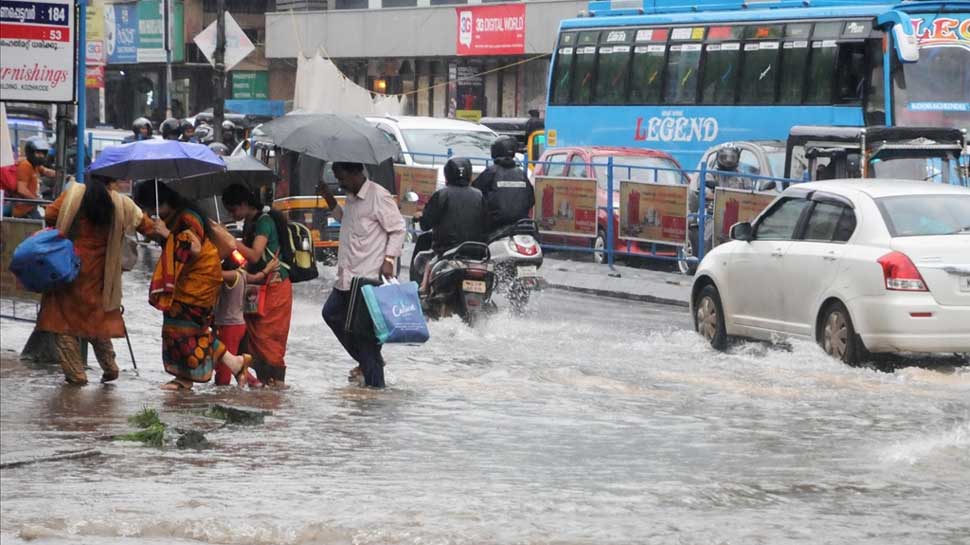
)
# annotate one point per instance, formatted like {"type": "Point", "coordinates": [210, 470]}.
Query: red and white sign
{"type": "Point", "coordinates": [491, 30]}
{"type": "Point", "coordinates": [94, 76]}
{"type": "Point", "coordinates": [37, 43]}
{"type": "Point", "coordinates": [95, 52]}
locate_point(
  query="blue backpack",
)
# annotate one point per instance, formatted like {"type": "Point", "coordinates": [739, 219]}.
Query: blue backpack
{"type": "Point", "coordinates": [45, 261]}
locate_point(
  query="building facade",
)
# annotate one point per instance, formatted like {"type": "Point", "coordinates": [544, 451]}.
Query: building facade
{"type": "Point", "coordinates": [451, 58]}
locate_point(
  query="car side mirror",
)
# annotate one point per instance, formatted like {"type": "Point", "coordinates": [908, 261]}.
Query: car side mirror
{"type": "Point", "coordinates": [742, 231]}
{"type": "Point", "coordinates": [769, 186]}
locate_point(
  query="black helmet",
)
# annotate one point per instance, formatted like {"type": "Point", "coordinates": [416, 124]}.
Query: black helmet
{"type": "Point", "coordinates": [504, 147]}
{"type": "Point", "coordinates": [171, 129]}
{"type": "Point", "coordinates": [728, 157]}
{"type": "Point", "coordinates": [458, 171]}
{"type": "Point", "coordinates": [219, 148]}
{"type": "Point", "coordinates": [32, 146]}
{"type": "Point", "coordinates": [139, 124]}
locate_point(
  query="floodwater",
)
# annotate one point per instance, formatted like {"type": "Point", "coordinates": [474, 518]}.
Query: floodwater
{"type": "Point", "coordinates": [592, 421]}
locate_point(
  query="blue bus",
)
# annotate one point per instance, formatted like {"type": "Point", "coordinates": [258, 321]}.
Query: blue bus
{"type": "Point", "coordinates": [683, 75]}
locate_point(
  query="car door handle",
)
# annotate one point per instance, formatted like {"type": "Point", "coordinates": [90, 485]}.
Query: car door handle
{"type": "Point", "coordinates": [777, 253]}
{"type": "Point", "coordinates": [830, 256]}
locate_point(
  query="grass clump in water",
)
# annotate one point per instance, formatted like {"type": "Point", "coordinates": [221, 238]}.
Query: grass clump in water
{"type": "Point", "coordinates": [152, 432]}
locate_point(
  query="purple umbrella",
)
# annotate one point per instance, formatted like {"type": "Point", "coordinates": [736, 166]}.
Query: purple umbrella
{"type": "Point", "coordinates": [156, 159]}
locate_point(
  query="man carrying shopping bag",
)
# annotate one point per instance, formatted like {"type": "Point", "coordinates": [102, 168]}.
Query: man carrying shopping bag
{"type": "Point", "coordinates": [371, 238]}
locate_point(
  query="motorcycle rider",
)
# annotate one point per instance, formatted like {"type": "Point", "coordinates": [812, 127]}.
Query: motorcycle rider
{"type": "Point", "coordinates": [141, 129]}
{"type": "Point", "coordinates": [229, 134]}
{"type": "Point", "coordinates": [171, 129]}
{"type": "Point", "coordinates": [188, 132]}
{"type": "Point", "coordinates": [509, 195]}
{"type": "Point", "coordinates": [455, 213]}
{"type": "Point", "coordinates": [29, 170]}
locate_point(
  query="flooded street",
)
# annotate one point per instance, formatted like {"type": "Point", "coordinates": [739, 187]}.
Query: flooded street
{"type": "Point", "coordinates": [592, 421]}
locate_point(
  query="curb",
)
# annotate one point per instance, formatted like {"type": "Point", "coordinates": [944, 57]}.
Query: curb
{"type": "Point", "coordinates": [621, 295]}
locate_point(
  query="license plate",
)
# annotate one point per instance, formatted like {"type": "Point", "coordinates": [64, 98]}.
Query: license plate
{"type": "Point", "coordinates": [473, 286]}
{"type": "Point", "coordinates": [965, 283]}
{"type": "Point", "coordinates": [527, 270]}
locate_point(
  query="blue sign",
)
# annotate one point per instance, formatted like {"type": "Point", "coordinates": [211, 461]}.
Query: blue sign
{"type": "Point", "coordinates": [121, 33]}
{"type": "Point", "coordinates": [273, 108]}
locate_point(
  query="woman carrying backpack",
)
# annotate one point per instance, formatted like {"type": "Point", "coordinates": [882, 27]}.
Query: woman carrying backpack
{"type": "Point", "coordinates": [267, 329]}
{"type": "Point", "coordinates": [185, 287]}
{"type": "Point", "coordinates": [95, 217]}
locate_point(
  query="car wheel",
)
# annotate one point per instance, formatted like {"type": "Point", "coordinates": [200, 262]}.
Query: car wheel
{"type": "Point", "coordinates": [599, 248]}
{"type": "Point", "coordinates": [837, 335]}
{"type": "Point", "coordinates": [709, 317]}
{"type": "Point", "coordinates": [685, 266]}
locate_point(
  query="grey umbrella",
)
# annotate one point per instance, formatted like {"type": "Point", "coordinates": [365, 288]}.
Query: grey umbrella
{"type": "Point", "coordinates": [332, 137]}
{"type": "Point", "coordinates": [240, 169]}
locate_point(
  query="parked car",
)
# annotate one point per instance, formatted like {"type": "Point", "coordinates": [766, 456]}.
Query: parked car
{"type": "Point", "coordinates": [589, 162]}
{"type": "Point", "coordinates": [860, 266]}
{"type": "Point", "coordinates": [426, 141]}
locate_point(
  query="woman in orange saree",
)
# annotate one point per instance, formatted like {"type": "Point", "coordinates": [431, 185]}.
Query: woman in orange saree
{"type": "Point", "coordinates": [185, 286]}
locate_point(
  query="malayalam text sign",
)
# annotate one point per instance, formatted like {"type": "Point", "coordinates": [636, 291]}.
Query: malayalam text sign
{"type": "Point", "coordinates": [421, 180]}
{"type": "Point", "coordinates": [37, 51]}
{"type": "Point", "coordinates": [491, 30]}
{"type": "Point", "coordinates": [653, 212]}
{"type": "Point", "coordinates": [736, 205]}
{"type": "Point", "coordinates": [566, 206]}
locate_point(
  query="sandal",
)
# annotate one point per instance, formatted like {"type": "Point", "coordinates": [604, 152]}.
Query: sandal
{"type": "Point", "coordinates": [174, 385]}
{"type": "Point", "coordinates": [242, 376]}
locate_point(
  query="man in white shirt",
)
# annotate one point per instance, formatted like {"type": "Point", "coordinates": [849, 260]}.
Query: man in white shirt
{"type": "Point", "coordinates": [371, 238]}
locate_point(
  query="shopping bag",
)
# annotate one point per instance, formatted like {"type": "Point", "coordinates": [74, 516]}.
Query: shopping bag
{"type": "Point", "coordinates": [395, 309]}
{"type": "Point", "coordinates": [45, 261]}
{"type": "Point", "coordinates": [255, 301]}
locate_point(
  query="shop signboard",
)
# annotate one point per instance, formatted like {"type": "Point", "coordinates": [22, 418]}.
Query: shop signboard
{"type": "Point", "coordinates": [566, 206]}
{"type": "Point", "coordinates": [491, 29]}
{"type": "Point", "coordinates": [653, 212]}
{"type": "Point", "coordinates": [151, 31]}
{"type": "Point", "coordinates": [250, 85]}
{"type": "Point", "coordinates": [421, 180]}
{"type": "Point", "coordinates": [736, 205]}
{"type": "Point", "coordinates": [37, 51]}
{"type": "Point", "coordinates": [95, 20]}
{"type": "Point", "coordinates": [94, 76]}
{"type": "Point", "coordinates": [121, 33]}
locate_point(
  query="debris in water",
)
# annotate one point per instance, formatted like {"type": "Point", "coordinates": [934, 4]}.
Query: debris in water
{"type": "Point", "coordinates": [194, 440]}
{"type": "Point", "coordinates": [234, 415]}
{"type": "Point", "coordinates": [152, 431]}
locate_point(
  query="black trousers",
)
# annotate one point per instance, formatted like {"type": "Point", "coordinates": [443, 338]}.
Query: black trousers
{"type": "Point", "coordinates": [366, 351]}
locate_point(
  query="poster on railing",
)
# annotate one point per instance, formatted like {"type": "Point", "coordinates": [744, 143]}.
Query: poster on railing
{"type": "Point", "coordinates": [422, 181]}
{"type": "Point", "coordinates": [566, 206]}
{"type": "Point", "coordinates": [653, 212]}
{"type": "Point", "coordinates": [37, 43]}
{"type": "Point", "coordinates": [736, 205]}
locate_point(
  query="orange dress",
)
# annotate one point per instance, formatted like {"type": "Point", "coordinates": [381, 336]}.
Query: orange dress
{"type": "Point", "coordinates": [77, 309]}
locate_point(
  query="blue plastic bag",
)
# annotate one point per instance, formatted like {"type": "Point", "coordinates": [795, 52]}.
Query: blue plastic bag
{"type": "Point", "coordinates": [395, 310]}
{"type": "Point", "coordinates": [45, 261]}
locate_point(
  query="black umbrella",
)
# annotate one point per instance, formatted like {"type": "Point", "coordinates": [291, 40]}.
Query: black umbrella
{"type": "Point", "coordinates": [240, 169]}
{"type": "Point", "coordinates": [332, 137]}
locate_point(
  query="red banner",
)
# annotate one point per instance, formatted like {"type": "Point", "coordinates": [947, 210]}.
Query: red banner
{"type": "Point", "coordinates": [491, 30]}
{"type": "Point", "coordinates": [94, 77]}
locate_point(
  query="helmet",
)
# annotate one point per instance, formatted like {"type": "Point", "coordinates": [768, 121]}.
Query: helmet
{"type": "Point", "coordinates": [139, 124]}
{"type": "Point", "coordinates": [728, 157]}
{"type": "Point", "coordinates": [171, 129]}
{"type": "Point", "coordinates": [219, 148]}
{"type": "Point", "coordinates": [203, 133]}
{"type": "Point", "coordinates": [228, 125]}
{"type": "Point", "coordinates": [186, 125]}
{"type": "Point", "coordinates": [458, 171]}
{"type": "Point", "coordinates": [33, 145]}
{"type": "Point", "coordinates": [504, 147]}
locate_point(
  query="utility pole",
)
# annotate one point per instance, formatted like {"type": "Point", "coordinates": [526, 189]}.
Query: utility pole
{"type": "Point", "coordinates": [219, 105]}
{"type": "Point", "coordinates": [167, 6]}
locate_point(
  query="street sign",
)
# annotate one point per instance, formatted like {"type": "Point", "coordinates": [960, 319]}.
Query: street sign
{"type": "Point", "coordinates": [238, 45]}
{"type": "Point", "coordinates": [37, 43]}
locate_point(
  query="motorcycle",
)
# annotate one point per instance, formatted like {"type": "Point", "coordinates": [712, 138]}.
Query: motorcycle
{"type": "Point", "coordinates": [517, 257]}
{"type": "Point", "coordinates": [461, 280]}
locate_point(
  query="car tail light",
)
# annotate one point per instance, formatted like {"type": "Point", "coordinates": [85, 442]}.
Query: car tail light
{"type": "Point", "coordinates": [900, 273]}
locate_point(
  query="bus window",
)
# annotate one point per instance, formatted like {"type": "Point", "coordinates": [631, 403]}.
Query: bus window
{"type": "Point", "coordinates": [562, 68]}
{"type": "Point", "coordinates": [648, 65]}
{"type": "Point", "coordinates": [820, 70]}
{"type": "Point", "coordinates": [612, 69]}
{"type": "Point", "coordinates": [720, 73]}
{"type": "Point", "coordinates": [794, 59]}
{"type": "Point", "coordinates": [850, 73]}
{"type": "Point", "coordinates": [683, 63]}
{"type": "Point", "coordinates": [760, 73]}
{"type": "Point", "coordinates": [583, 68]}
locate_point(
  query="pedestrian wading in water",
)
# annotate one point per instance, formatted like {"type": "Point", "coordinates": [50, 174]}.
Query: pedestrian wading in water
{"type": "Point", "coordinates": [185, 287]}
{"type": "Point", "coordinates": [95, 217]}
{"type": "Point", "coordinates": [267, 331]}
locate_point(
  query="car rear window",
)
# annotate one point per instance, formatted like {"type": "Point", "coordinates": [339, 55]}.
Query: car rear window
{"type": "Point", "coordinates": [925, 215]}
{"type": "Point", "coordinates": [637, 168]}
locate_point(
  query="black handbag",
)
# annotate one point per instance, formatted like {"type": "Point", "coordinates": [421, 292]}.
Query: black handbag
{"type": "Point", "coordinates": [358, 321]}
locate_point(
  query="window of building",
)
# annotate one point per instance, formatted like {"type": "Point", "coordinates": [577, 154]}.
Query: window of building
{"type": "Point", "coordinates": [447, 2]}
{"type": "Point", "coordinates": [399, 3]}
{"type": "Point", "coordinates": [350, 4]}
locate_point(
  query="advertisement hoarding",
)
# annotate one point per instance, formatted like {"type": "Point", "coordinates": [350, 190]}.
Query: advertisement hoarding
{"type": "Point", "coordinates": [736, 205]}
{"type": "Point", "coordinates": [653, 212]}
{"type": "Point", "coordinates": [491, 30]}
{"type": "Point", "coordinates": [37, 51]}
{"type": "Point", "coordinates": [421, 180]}
{"type": "Point", "coordinates": [121, 33]}
{"type": "Point", "coordinates": [566, 206]}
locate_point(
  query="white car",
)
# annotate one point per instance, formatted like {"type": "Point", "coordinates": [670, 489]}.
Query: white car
{"type": "Point", "coordinates": [426, 141]}
{"type": "Point", "coordinates": [860, 266]}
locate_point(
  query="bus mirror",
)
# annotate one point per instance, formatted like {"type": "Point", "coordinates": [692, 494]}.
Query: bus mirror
{"type": "Point", "coordinates": [907, 46]}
